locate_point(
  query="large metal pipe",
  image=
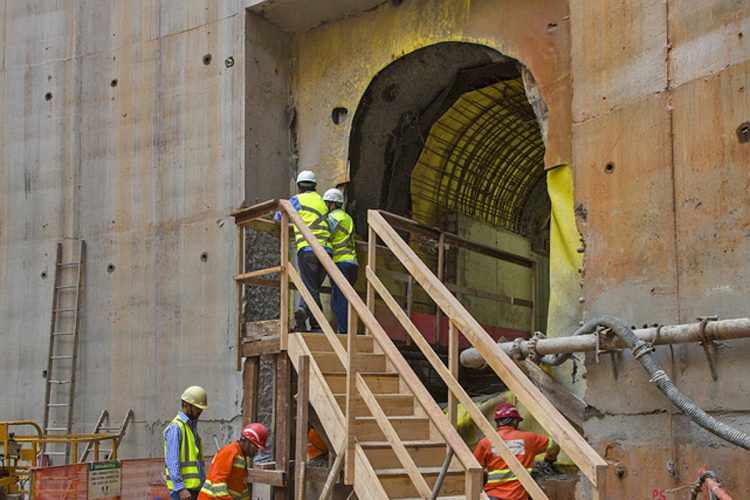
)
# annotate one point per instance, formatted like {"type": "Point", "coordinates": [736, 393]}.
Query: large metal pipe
{"type": "Point", "coordinates": [727, 329]}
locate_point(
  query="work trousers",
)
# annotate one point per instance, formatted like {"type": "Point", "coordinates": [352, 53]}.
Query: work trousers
{"type": "Point", "coordinates": [313, 274]}
{"type": "Point", "coordinates": [174, 495]}
{"type": "Point", "coordinates": [339, 304]}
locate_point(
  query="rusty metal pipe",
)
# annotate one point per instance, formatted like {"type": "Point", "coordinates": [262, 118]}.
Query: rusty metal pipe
{"type": "Point", "coordinates": [728, 329]}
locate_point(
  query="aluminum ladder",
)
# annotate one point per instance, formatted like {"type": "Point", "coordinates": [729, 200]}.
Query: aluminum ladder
{"type": "Point", "coordinates": [63, 349]}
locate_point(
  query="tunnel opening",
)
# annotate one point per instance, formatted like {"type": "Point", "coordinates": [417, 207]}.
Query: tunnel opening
{"type": "Point", "coordinates": [451, 135]}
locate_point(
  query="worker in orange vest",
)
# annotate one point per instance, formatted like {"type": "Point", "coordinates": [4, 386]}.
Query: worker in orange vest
{"type": "Point", "coordinates": [227, 475]}
{"type": "Point", "coordinates": [502, 483]}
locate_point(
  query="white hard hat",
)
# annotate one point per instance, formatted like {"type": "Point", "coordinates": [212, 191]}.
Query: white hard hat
{"type": "Point", "coordinates": [196, 396]}
{"type": "Point", "coordinates": [334, 195]}
{"type": "Point", "coordinates": [307, 176]}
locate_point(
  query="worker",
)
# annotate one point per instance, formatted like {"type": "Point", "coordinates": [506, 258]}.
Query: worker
{"type": "Point", "coordinates": [183, 452]}
{"type": "Point", "coordinates": [314, 212]}
{"type": "Point", "coordinates": [502, 483]}
{"type": "Point", "coordinates": [344, 253]}
{"type": "Point", "coordinates": [227, 476]}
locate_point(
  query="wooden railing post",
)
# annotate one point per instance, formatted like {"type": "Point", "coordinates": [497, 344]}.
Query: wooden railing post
{"type": "Point", "coordinates": [453, 367]}
{"type": "Point", "coordinates": [440, 275]}
{"type": "Point", "coordinates": [372, 247]}
{"type": "Point", "coordinates": [532, 309]}
{"type": "Point", "coordinates": [351, 394]}
{"type": "Point", "coordinates": [240, 270]}
{"type": "Point", "coordinates": [303, 401]}
{"type": "Point", "coordinates": [473, 483]}
{"type": "Point", "coordinates": [284, 288]}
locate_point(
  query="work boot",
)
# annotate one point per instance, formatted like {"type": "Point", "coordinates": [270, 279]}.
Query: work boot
{"type": "Point", "coordinates": [300, 320]}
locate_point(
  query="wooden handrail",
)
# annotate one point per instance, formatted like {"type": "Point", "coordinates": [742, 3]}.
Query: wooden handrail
{"type": "Point", "coordinates": [455, 388]}
{"type": "Point", "coordinates": [433, 411]}
{"type": "Point", "coordinates": [392, 437]}
{"type": "Point", "coordinates": [585, 457]}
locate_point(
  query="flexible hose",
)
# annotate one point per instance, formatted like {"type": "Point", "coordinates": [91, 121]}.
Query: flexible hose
{"type": "Point", "coordinates": [643, 352]}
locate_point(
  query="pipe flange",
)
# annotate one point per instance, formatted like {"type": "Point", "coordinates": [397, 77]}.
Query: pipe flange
{"type": "Point", "coordinates": [531, 345]}
{"type": "Point", "coordinates": [515, 350]}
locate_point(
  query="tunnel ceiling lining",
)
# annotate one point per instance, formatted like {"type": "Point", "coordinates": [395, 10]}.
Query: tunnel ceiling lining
{"type": "Point", "coordinates": [483, 158]}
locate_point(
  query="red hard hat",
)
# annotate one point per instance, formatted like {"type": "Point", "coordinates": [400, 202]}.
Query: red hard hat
{"type": "Point", "coordinates": [257, 434]}
{"type": "Point", "coordinates": [507, 410]}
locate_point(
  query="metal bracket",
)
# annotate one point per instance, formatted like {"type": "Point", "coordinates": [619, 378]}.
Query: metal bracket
{"type": "Point", "coordinates": [708, 344]}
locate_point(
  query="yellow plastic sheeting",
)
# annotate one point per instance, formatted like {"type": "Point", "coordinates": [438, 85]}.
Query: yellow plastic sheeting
{"type": "Point", "coordinates": [482, 158]}
{"type": "Point", "coordinates": [564, 311]}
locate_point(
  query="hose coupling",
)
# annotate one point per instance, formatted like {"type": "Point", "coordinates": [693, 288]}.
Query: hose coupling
{"type": "Point", "coordinates": [642, 348]}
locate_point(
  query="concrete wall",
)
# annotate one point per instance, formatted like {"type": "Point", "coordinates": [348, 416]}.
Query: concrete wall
{"type": "Point", "coordinates": [144, 170]}
{"type": "Point", "coordinates": [659, 94]}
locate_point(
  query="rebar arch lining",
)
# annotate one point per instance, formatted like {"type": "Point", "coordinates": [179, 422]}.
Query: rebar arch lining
{"type": "Point", "coordinates": [483, 158]}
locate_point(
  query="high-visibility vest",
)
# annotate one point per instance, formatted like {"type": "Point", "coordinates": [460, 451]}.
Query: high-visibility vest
{"type": "Point", "coordinates": [342, 238]}
{"type": "Point", "coordinates": [191, 452]}
{"type": "Point", "coordinates": [314, 213]}
{"type": "Point", "coordinates": [500, 476]}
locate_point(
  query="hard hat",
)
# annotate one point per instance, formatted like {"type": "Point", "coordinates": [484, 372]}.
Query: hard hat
{"type": "Point", "coordinates": [334, 195]}
{"type": "Point", "coordinates": [307, 176]}
{"type": "Point", "coordinates": [507, 410]}
{"type": "Point", "coordinates": [196, 396]}
{"type": "Point", "coordinates": [257, 434]}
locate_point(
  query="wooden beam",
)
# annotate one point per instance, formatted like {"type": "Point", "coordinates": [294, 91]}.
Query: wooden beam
{"type": "Point", "coordinates": [245, 215]}
{"type": "Point", "coordinates": [440, 275]}
{"type": "Point", "coordinates": [284, 290]}
{"type": "Point", "coordinates": [282, 418]}
{"type": "Point", "coordinates": [275, 478]}
{"type": "Point", "coordinates": [268, 345]}
{"type": "Point", "coordinates": [250, 390]}
{"type": "Point", "coordinates": [455, 388]}
{"type": "Point", "coordinates": [351, 394]}
{"type": "Point", "coordinates": [257, 330]}
{"type": "Point", "coordinates": [453, 367]}
{"type": "Point", "coordinates": [568, 403]}
{"type": "Point", "coordinates": [333, 474]}
{"type": "Point", "coordinates": [532, 398]}
{"type": "Point", "coordinates": [393, 439]}
{"type": "Point", "coordinates": [303, 403]}
{"type": "Point", "coordinates": [244, 277]}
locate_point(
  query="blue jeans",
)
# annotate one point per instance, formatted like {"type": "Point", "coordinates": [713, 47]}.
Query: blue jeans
{"type": "Point", "coordinates": [339, 304]}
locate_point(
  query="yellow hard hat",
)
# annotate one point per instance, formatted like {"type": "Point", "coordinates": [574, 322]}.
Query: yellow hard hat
{"type": "Point", "coordinates": [196, 396]}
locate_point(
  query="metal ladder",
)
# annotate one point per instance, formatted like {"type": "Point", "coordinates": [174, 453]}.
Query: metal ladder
{"type": "Point", "coordinates": [63, 349]}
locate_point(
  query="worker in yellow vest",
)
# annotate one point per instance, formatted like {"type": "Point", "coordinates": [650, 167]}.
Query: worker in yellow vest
{"type": "Point", "coordinates": [314, 212]}
{"type": "Point", "coordinates": [184, 470]}
{"type": "Point", "coordinates": [344, 253]}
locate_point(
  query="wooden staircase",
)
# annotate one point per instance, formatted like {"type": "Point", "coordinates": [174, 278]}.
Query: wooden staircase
{"type": "Point", "coordinates": [379, 473]}
{"type": "Point", "coordinates": [392, 437]}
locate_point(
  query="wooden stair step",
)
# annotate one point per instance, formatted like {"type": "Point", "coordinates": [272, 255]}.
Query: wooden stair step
{"type": "Point", "coordinates": [392, 404]}
{"type": "Point", "coordinates": [319, 342]}
{"type": "Point", "coordinates": [379, 382]}
{"type": "Point", "coordinates": [329, 362]}
{"type": "Point", "coordinates": [397, 483]}
{"type": "Point", "coordinates": [407, 427]}
{"type": "Point", "coordinates": [425, 453]}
